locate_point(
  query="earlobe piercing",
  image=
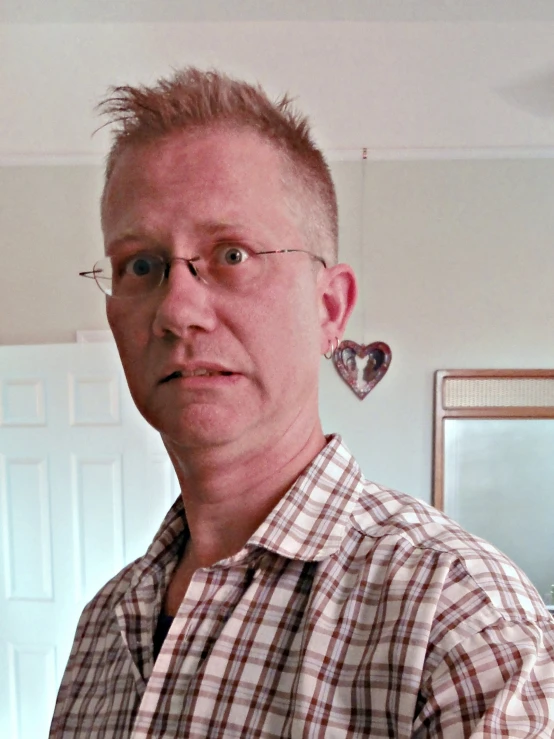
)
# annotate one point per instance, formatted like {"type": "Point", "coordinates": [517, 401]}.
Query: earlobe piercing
{"type": "Point", "coordinates": [334, 345]}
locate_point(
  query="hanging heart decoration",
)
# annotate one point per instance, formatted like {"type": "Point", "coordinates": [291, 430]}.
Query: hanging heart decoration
{"type": "Point", "coordinates": [362, 366]}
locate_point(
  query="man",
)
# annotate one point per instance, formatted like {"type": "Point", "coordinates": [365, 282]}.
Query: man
{"type": "Point", "coordinates": [284, 595]}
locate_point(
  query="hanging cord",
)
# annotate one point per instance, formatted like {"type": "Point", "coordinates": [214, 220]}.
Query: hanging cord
{"type": "Point", "coordinates": [362, 240]}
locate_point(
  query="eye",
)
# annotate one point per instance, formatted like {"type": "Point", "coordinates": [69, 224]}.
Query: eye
{"type": "Point", "coordinates": [229, 256]}
{"type": "Point", "coordinates": [140, 265]}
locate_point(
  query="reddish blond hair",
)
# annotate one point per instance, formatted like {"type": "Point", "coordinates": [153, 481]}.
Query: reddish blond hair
{"type": "Point", "coordinates": [195, 99]}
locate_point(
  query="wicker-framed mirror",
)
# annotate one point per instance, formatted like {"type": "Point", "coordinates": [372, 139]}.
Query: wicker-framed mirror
{"type": "Point", "coordinates": [493, 466]}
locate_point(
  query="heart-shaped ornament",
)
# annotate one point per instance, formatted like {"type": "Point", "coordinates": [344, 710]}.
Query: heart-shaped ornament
{"type": "Point", "coordinates": [362, 366]}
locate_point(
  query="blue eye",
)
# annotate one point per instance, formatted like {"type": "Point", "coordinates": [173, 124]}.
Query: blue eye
{"type": "Point", "coordinates": [232, 255]}
{"type": "Point", "coordinates": [141, 265]}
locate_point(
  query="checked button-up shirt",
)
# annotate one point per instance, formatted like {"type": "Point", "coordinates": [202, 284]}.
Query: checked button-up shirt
{"type": "Point", "coordinates": [353, 611]}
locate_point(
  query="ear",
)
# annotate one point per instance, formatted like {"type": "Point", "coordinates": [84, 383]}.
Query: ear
{"type": "Point", "coordinates": [338, 294]}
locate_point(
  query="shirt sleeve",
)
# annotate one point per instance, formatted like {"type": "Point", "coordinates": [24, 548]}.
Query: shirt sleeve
{"type": "Point", "coordinates": [495, 684]}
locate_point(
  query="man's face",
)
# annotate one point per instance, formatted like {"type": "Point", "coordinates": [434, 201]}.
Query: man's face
{"type": "Point", "coordinates": [181, 197]}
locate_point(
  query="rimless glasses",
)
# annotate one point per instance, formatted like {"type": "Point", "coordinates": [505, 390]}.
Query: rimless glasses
{"type": "Point", "coordinates": [234, 268]}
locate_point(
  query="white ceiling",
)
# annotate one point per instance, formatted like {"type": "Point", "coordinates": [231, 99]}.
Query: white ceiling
{"type": "Point", "coordinates": [186, 11]}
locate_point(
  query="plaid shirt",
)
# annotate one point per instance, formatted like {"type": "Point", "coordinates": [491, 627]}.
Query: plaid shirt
{"type": "Point", "coordinates": [353, 611]}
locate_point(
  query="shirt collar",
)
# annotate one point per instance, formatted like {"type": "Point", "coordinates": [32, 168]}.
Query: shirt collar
{"type": "Point", "coordinates": [310, 520]}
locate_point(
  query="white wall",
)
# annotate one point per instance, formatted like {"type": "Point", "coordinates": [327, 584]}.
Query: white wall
{"type": "Point", "coordinates": [380, 85]}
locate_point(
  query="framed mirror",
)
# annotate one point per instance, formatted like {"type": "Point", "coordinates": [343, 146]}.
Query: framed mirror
{"type": "Point", "coordinates": [493, 466]}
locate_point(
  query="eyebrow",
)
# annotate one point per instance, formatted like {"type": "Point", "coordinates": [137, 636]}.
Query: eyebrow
{"type": "Point", "coordinates": [131, 236]}
{"type": "Point", "coordinates": [215, 227]}
{"type": "Point", "coordinates": [206, 228]}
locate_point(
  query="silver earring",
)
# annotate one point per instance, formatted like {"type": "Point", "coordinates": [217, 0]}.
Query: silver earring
{"type": "Point", "coordinates": [329, 353]}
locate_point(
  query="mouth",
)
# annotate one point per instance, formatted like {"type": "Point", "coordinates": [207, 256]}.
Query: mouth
{"type": "Point", "coordinates": [196, 373]}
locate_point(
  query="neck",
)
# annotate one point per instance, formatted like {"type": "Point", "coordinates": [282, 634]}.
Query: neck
{"type": "Point", "coordinates": [228, 491]}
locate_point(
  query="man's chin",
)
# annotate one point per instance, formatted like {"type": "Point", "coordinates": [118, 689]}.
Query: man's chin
{"type": "Point", "coordinates": [195, 441]}
{"type": "Point", "coordinates": [203, 429]}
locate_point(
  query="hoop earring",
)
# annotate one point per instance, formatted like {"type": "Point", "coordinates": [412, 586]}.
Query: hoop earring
{"type": "Point", "coordinates": [329, 353]}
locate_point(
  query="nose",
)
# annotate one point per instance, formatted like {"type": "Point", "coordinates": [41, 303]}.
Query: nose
{"type": "Point", "coordinates": [184, 301]}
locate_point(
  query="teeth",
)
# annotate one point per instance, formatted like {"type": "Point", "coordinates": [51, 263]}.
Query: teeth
{"type": "Point", "coordinates": [200, 373]}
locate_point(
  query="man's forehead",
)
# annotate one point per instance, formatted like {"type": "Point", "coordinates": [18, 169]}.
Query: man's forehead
{"type": "Point", "coordinates": [213, 160]}
{"type": "Point", "coordinates": [156, 184]}
{"type": "Point", "coordinates": [216, 157]}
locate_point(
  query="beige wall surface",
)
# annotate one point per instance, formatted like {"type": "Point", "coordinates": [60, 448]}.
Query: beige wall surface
{"type": "Point", "coordinates": [455, 261]}
{"type": "Point", "coordinates": [49, 231]}
{"type": "Point", "coordinates": [458, 271]}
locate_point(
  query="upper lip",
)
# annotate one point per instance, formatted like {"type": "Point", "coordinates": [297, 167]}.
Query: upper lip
{"type": "Point", "coordinates": [190, 367]}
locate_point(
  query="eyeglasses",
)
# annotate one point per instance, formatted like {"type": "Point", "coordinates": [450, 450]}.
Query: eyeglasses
{"type": "Point", "coordinates": [234, 268]}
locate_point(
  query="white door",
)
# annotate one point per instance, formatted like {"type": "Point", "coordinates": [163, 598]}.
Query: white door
{"type": "Point", "coordinates": [84, 484]}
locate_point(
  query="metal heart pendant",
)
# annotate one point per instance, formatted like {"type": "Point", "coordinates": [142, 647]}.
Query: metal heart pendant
{"type": "Point", "coordinates": [361, 366]}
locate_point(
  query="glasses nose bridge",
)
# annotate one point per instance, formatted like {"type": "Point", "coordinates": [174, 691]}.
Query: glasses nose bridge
{"type": "Point", "coordinates": [189, 261]}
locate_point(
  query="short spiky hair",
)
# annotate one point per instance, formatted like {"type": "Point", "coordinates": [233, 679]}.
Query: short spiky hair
{"type": "Point", "coordinates": [194, 99]}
